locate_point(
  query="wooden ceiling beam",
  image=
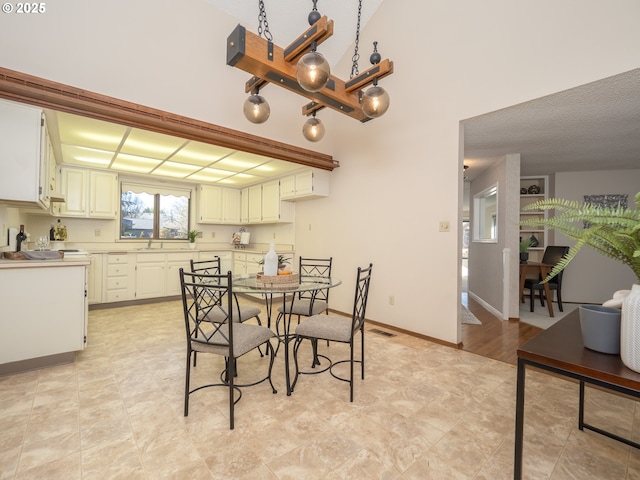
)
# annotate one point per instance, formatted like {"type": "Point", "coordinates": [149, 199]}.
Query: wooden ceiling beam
{"type": "Point", "coordinates": [21, 87]}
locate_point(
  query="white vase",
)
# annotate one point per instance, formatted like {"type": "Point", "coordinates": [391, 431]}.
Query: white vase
{"type": "Point", "coordinates": [192, 245]}
{"type": "Point", "coordinates": [630, 330]}
{"type": "Point", "coordinates": [271, 262]}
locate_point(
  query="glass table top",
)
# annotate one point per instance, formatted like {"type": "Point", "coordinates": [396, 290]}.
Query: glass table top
{"type": "Point", "coordinates": [250, 284]}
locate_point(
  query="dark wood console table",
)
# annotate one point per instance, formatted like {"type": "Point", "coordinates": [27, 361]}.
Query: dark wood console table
{"type": "Point", "coordinates": [559, 349]}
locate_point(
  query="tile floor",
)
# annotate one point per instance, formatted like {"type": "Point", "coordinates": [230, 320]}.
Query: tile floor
{"type": "Point", "coordinates": [424, 411]}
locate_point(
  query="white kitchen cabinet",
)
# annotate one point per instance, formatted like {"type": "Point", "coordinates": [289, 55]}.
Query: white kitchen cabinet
{"type": "Point", "coordinates": [103, 194]}
{"type": "Point", "coordinates": [218, 205]}
{"type": "Point", "coordinates": [226, 260]}
{"type": "Point", "coordinates": [118, 277]}
{"type": "Point", "coordinates": [255, 203]}
{"type": "Point", "coordinates": [150, 275]}
{"type": "Point", "coordinates": [88, 193]}
{"type": "Point", "coordinates": [244, 206]}
{"type": "Point", "coordinates": [24, 170]}
{"type": "Point", "coordinates": [176, 261]}
{"type": "Point", "coordinates": [307, 185]}
{"type": "Point", "coordinates": [273, 209]}
{"type": "Point", "coordinates": [44, 313]}
{"type": "Point", "coordinates": [157, 274]}
{"type": "Point", "coordinates": [94, 279]}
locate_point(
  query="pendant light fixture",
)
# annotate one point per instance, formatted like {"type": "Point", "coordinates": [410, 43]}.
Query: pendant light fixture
{"type": "Point", "coordinates": [375, 100]}
{"type": "Point", "coordinates": [300, 68]}
{"type": "Point", "coordinates": [256, 108]}
{"type": "Point", "coordinates": [313, 70]}
{"type": "Point", "coordinates": [313, 129]}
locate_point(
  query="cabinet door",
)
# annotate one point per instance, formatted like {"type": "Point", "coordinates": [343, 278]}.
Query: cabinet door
{"type": "Point", "coordinates": [271, 201]}
{"type": "Point", "coordinates": [103, 195]}
{"type": "Point", "coordinates": [150, 280]}
{"type": "Point", "coordinates": [288, 187]}
{"type": "Point", "coordinates": [210, 204]}
{"type": "Point", "coordinates": [255, 204]}
{"type": "Point", "coordinates": [20, 152]}
{"type": "Point", "coordinates": [94, 279]}
{"type": "Point", "coordinates": [75, 187]}
{"type": "Point", "coordinates": [231, 206]}
{"type": "Point", "coordinates": [244, 206]}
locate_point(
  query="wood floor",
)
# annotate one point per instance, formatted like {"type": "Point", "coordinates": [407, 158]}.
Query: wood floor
{"type": "Point", "coordinates": [495, 338]}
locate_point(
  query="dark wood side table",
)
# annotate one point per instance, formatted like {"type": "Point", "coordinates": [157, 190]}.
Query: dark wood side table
{"type": "Point", "coordinates": [560, 349]}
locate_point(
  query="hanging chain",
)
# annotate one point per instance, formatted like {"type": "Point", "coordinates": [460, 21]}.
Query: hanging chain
{"type": "Point", "coordinates": [263, 24]}
{"type": "Point", "coordinates": [356, 56]}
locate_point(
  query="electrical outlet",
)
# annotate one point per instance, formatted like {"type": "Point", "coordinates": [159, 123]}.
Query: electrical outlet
{"type": "Point", "coordinates": [392, 300]}
{"type": "Point", "coordinates": [274, 235]}
{"type": "Point", "coordinates": [98, 232]}
{"type": "Point", "coordinates": [444, 226]}
{"type": "Point", "coordinates": [213, 234]}
{"type": "Point", "coordinates": [309, 227]}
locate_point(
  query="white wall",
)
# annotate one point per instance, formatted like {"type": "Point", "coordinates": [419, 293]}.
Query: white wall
{"type": "Point", "coordinates": [400, 175]}
{"type": "Point", "coordinates": [591, 277]}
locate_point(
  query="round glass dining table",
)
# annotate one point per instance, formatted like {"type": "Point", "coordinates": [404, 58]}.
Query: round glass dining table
{"type": "Point", "coordinates": [289, 292]}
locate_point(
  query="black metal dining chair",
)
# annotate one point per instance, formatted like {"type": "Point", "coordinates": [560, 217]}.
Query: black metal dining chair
{"type": "Point", "coordinates": [211, 328]}
{"type": "Point", "coordinates": [336, 328]}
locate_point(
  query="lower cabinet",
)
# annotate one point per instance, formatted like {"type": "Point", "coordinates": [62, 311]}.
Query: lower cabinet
{"type": "Point", "coordinates": [52, 321]}
{"type": "Point", "coordinates": [157, 274]}
{"type": "Point", "coordinates": [247, 263]}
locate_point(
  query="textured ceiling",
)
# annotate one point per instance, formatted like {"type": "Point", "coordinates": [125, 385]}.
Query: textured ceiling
{"type": "Point", "coordinates": [588, 128]}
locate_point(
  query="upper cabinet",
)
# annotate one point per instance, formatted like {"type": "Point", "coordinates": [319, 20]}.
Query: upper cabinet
{"type": "Point", "coordinates": [218, 205]}
{"type": "Point", "coordinates": [89, 193]}
{"type": "Point", "coordinates": [273, 209]}
{"type": "Point", "coordinates": [22, 144]}
{"type": "Point", "coordinates": [305, 185]}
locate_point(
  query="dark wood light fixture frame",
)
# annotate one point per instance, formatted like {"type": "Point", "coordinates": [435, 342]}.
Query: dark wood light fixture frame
{"type": "Point", "coordinates": [40, 92]}
{"type": "Point", "coordinates": [269, 63]}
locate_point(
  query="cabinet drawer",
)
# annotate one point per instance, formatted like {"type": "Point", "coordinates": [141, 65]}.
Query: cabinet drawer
{"type": "Point", "coordinates": [117, 258]}
{"type": "Point", "coordinates": [114, 283]}
{"type": "Point", "coordinates": [119, 295]}
{"type": "Point", "coordinates": [117, 270]}
{"type": "Point", "coordinates": [254, 258]}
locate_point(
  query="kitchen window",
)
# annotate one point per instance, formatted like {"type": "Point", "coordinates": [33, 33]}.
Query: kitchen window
{"type": "Point", "coordinates": [154, 212]}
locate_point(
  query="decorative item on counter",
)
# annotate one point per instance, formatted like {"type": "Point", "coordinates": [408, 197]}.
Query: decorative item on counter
{"type": "Point", "coordinates": [630, 329]}
{"type": "Point", "coordinates": [271, 262]}
{"type": "Point", "coordinates": [61, 232]}
{"type": "Point", "coordinates": [600, 328]}
{"type": "Point", "coordinates": [533, 190]}
{"type": "Point", "coordinates": [52, 233]}
{"type": "Point", "coordinates": [523, 191]}
{"type": "Point", "coordinates": [533, 241]}
{"type": "Point", "coordinates": [21, 237]}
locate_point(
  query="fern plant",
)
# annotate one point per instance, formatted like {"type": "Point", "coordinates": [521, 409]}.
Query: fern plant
{"type": "Point", "coordinates": [611, 231]}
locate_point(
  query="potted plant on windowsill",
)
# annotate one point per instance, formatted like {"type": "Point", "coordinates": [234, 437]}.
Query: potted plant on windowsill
{"type": "Point", "coordinates": [193, 234]}
{"type": "Point", "coordinates": [613, 232]}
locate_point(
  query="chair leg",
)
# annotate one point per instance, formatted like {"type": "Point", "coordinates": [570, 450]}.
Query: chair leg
{"type": "Point", "coordinates": [186, 385]}
{"type": "Point", "coordinates": [531, 299]}
{"type": "Point", "coordinates": [542, 297]}
{"type": "Point", "coordinates": [559, 297]}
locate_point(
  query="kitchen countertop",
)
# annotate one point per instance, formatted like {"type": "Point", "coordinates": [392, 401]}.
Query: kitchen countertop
{"type": "Point", "coordinates": [62, 262]}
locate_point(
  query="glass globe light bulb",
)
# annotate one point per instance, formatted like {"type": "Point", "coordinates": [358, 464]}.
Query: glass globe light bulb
{"type": "Point", "coordinates": [313, 72]}
{"type": "Point", "coordinates": [256, 109]}
{"type": "Point", "coordinates": [375, 102]}
{"type": "Point", "coordinates": [313, 129]}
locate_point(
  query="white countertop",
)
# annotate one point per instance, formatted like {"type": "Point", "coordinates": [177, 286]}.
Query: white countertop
{"type": "Point", "coordinates": [62, 262]}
